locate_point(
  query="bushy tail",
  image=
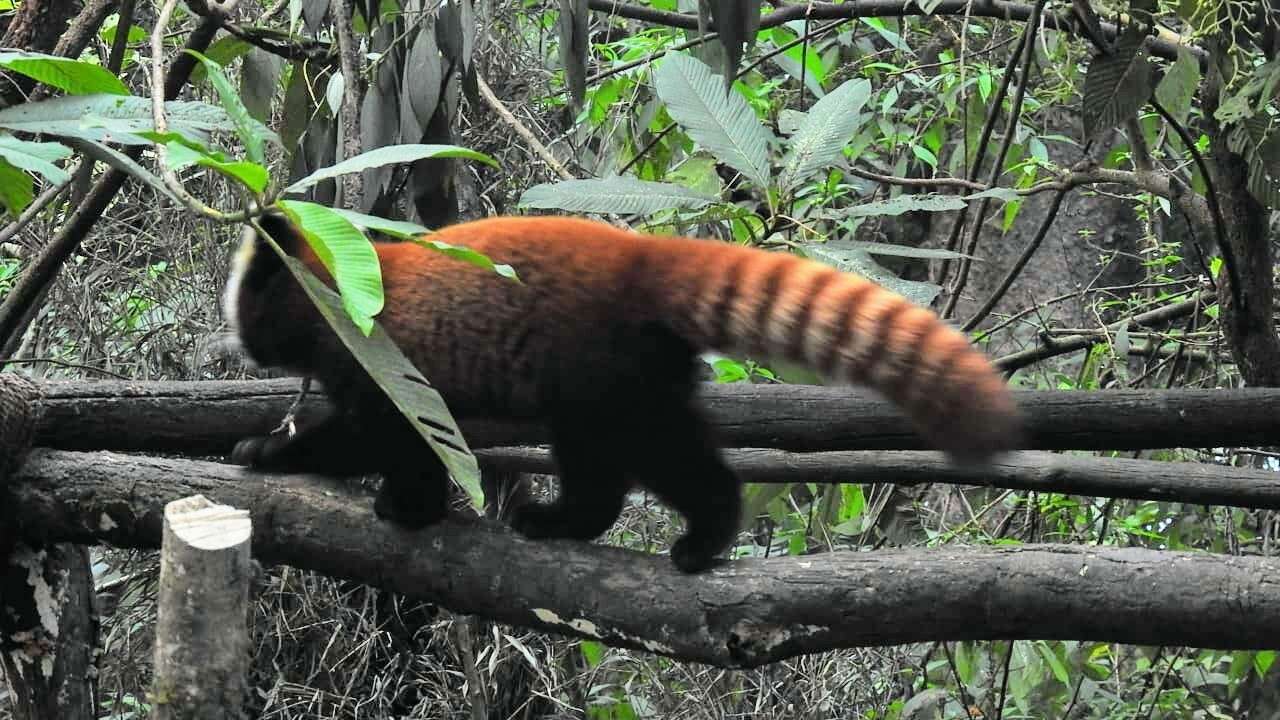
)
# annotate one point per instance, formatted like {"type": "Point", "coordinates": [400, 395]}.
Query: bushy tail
{"type": "Point", "coordinates": [731, 298]}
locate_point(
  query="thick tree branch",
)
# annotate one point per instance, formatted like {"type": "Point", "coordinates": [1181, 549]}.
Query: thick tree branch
{"type": "Point", "coordinates": [743, 614]}
{"type": "Point", "coordinates": [1187, 482]}
{"type": "Point", "coordinates": [1164, 46]}
{"type": "Point", "coordinates": [209, 417]}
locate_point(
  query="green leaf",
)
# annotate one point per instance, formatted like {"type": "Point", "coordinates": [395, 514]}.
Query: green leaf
{"type": "Point", "coordinates": [1178, 87]}
{"type": "Point", "coordinates": [1055, 663]}
{"type": "Point", "coordinates": [458, 252]}
{"type": "Point", "coordinates": [592, 652]}
{"type": "Point", "coordinates": [903, 204]}
{"type": "Point", "coordinates": [827, 128]}
{"type": "Point", "coordinates": [386, 156]}
{"type": "Point", "coordinates": [72, 76]}
{"type": "Point", "coordinates": [395, 228]}
{"type": "Point", "coordinates": [414, 232]}
{"type": "Point", "coordinates": [620, 195]}
{"type": "Point", "coordinates": [252, 133]}
{"type": "Point", "coordinates": [720, 122]}
{"type": "Point", "coordinates": [251, 175]}
{"type": "Point", "coordinates": [17, 190]}
{"type": "Point", "coordinates": [411, 393]}
{"type": "Point", "coordinates": [875, 248]}
{"type": "Point", "coordinates": [36, 157]}
{"type": "Point", "coordinates": [843, 255]}
{"type": "Point", "coordinates": [1117, 85]}
{"type": "Point", "coordinates": [574, 47]}
{"type": "Point", "coordinates": [221, 51]}
{"type": "Point", "coordinates": [112, 118]}
{"type": "Point", "coordinates": [346, 253]}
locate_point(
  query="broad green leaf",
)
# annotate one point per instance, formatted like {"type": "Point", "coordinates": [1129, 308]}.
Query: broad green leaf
{"type": "Point", "coordinates": [415, 232]}
{"type": "Point", "coordinates": [222, 51]}
{"type": "Point", "coordinates": [1178, 87]}
{"type": "Point", "coordinates": [411, 393]}
{"type": "Point", "coordinates": [112, 118]}
{"type": "Point", "coordinates": [903, 204]}
{"type": "Point", "coordinates": [16, 188]}
{"type": "Point", "coordinates": [346, 253]}
{"type": "Point", "coordinates": [251, 175]}
{"type": "Point", "coordinates": [36, 157]}
{"type": "Point", "coordinates": [620, 195]}
{"type": "Point", "coordinates": [252, 133]}
{"type": "Point", "coordinates": [72, 76]}
{"type": "Point", "coordinates": [842, 255]}
{"type": "Point", "coordinates": [259, 79]}
{"type": "Point", "coordinates": [387, 156]}
{"type": "Point", "coordinates": [1117, 85]}
{"type": "Point", "coordinates": [827, 127]}
{"type": "Point", "coordinates": [720, 122]}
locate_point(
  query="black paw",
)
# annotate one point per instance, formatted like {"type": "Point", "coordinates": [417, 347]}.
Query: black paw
{"type": "Point", "coordinates": [689, 555]}
{"type": "Point", "coordinates": [538, 522]}
{"type": "Point", "coordinates": [408, 513]}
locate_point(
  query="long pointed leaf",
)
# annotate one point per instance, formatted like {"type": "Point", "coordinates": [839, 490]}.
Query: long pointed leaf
{"type": "Point", "coordinates": [826, 129]}
{"type": "Point", "coordinates": [386, 156]}
{"type": "Point", "coordinates": [347, 254]}
{"type": "Point", "coordinates": [721, 122]}
{"type": "Point", "coordinates": [73, 76]}
{"type": "Point", "coordinates": [37, 157]}
{"type": "Point", "coordinates": [620, 195]}
{"type": "Point", "coordinates": [411, 393]}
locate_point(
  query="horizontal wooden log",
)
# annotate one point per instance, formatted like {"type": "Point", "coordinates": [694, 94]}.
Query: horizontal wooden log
{"type": "Point", "coordinates": [208, 417]}
{"type": "Point", "coordinates": [742, 614]}
{"type": "Point", "coordinates": [1186, 482]}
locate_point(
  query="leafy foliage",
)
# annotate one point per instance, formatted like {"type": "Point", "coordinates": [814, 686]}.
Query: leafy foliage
{"type": "Point", "coordinates": [719, 121]}
{"type": "Point", "coordinates": [1118, 83]}
{"type": "Point", "coordinates": [620, 195]}
{"type": "Point", "coordinates": [73, 76]}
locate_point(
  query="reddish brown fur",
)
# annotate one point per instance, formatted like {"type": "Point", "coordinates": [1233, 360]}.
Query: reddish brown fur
{"type": "Point", "coordinates": [602, 332]}
{"type": "Point", "coordinates": [582, 277]}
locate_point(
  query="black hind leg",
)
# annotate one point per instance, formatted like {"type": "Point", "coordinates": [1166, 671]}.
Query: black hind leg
{"type": "Point", "coordinates": [592, 485]}
{"type": "Point", "coordinates": [685, 469]}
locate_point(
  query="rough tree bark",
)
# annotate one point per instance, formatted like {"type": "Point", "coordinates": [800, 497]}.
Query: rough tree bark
{"type": "Point", "coordinates": [745, 613]}
{"type": "Point", "coordinates": [209, 417]}
{"type": "Point", "coordinates": [49, 632]}
{"type": "Point", "coordinates": [1044, 472]}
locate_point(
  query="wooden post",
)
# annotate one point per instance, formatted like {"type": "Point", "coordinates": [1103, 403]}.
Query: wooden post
{"type": "Point", "coordinates": [202, 638]}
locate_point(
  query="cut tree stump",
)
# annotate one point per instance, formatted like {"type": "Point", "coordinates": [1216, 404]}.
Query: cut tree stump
{"type": "Point", "coordinates": [202, 637]}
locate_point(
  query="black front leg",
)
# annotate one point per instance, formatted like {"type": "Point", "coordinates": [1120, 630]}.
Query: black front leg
{"type": "Point", "coordinates": [331, 446]}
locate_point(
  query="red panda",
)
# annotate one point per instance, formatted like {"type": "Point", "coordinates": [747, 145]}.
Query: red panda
{"type": "Point", "coordinates": [600, 341]}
